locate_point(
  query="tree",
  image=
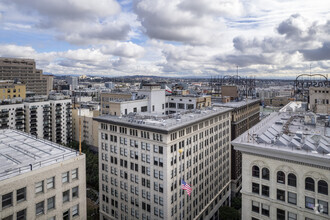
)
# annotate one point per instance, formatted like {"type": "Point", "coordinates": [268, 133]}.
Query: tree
{"type": "Point", "coordinates": [228, 213]}
{"type": "Point", "coordinates": [236, 203]}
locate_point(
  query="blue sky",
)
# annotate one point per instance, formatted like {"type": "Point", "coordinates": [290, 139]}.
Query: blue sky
{"type": "Point", "coordinates": [265, 38]}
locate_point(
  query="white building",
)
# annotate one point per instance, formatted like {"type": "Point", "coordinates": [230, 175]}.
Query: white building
{"type": "Point", "coordinates": [73, 82]}
{"type": "Point", "coordinates": [50, 119]}
{"type": "Point", "coordinates": [180, 103]}
{"type": "Point", "coordinates": [40, 179]}
{"type": "Point", "coordinates": [286, 167]}
{"type": "Point", "coordinates": [140, 165]}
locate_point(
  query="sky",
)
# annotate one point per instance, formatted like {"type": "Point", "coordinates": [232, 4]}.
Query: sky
{"type": "Point", "coordinates": [179, 38]}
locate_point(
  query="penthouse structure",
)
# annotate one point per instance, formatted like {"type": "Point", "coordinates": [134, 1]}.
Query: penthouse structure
{"type": "Point", "coordinates": [40, 179]}
{"type": "Point", "coordinates": [25, 71]}
{"type": "Point", "coordinates": [244, 115]}
{"type": "Point", "coordinates": [180, 103]}
{"type": "Point", "coordinates": [141, 167]}
{"type": "Point", "coordinates": [319, 99]}
{"type": "Point", "coordinates": [286, 166]}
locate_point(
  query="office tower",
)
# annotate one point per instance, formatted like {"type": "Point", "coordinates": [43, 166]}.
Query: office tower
{"type": "Point", "coordinates": [141, 167]}
{"type": "Point", "coordinates": [40, 179]}
{"type": "Point", "coordinates": [244, 115]}
{"type": "Point", "coordinates": [286, 167]}
{"type": "Point", "coordinates": [73, 82]}
{"type": "Point", "coordinates": [24, 70]}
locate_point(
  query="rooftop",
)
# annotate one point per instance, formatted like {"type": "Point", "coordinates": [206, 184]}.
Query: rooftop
{"type": "Point", "coordinates": [163, 123]}
{"type": "Point", "coordinates": [301, 134]}
{"type": "Point", "coordinates": [21, 153]}
{"type": "Point", "coordinates": [234, 104]}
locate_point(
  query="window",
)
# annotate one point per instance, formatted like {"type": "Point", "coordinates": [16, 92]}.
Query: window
{"type": "Point", "coordinates": [280, 214]}
{"type": "Point", "coordinates": [309, 202]}
{"type": "Point", "coordinates": [66, 196]}
{"type": "Point", "coordinates": [255, 206]}
{"type": "Point", "coordinates": [51, 183]}
{"type": "Point", "coordinates": [52, 218]}
{"type": "Point", "coordinates": [65, 177]}
{"type": "Point", "coordinates": [323, 207]}
{"type": "Point", "coordinates": [265, 190]}
{"type": "Point", "coordinates": [74, 174]}
{"type": "Point", "coordinates": [75, 192]}
{"type": "Point", "coordinates": [292, 180]}
{"type": "Point", "coordinates": [281, 195]}
{"type": "Point", "coordinates": [51, 203]}
{"type": "Point", "coordinates": [40, 208]}
{"type": "Point", "coordinates": [255, 171]}
{"type": "Point", "coordinates": [292, 198]}
{"type": "Point", "coordinates": [66, 215]}
{"type": "Point", "coordinates": [21, 194]}
{"type": "Point", "coordinates": [322, 187]}
{"type": "Point", "coordinates": [265, 174]}
{"type": "Point", "coordinates": [280, 177]}
{"type": "Point", "coordinates": [309, 184]}
{"type": "Point", "coordinates": [21, 215]}
{"type": "Point", "coordinates": [39, 187]}
{"type": "Point", "coordinates": [255, 188]}
{"type": "Point", "coordinates": [7, 200]}
{"type": "Point", "coordinates": [265, 210]}
{"type": "Point", "coordinates": [75, 210]}
{"type": "Point", "coordinates": [292, 216]}
{"type": "Point", "coordinates": [8, 218]}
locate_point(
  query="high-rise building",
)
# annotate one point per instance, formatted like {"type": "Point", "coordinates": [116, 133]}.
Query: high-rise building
{"type": "Point", "coordinates": [40, 179]}
{"type": "Point", "coordinates": [9, 89]}
{"type": "Point", "coordinates": [286, 166]}
{"type": "Point", "coordinates": [24, 70]}
{"type": "Point", "coordinates": [244, 115]}
{"type": "Point", "coordinates": [48, 119]}
{"type": "Point", "coordinates": [143, 158]}
{"type": "Point", "coordinates": [73, 82]}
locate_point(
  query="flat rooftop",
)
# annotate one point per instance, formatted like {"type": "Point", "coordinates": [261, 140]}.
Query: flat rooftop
{"type": "Point", "coordinates": [163, 123]}
{"type": "Point", "coordinates": [19, 152]}
{"type": "Point", "coordinates": [234, 104]}
{"type": "Point", "coordinates": [302, 134]}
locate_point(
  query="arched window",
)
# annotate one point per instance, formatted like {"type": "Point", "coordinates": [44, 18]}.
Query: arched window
{"type": "Point", "coordinates": [265, 173]}
{"type": "Point", "coordinates": [309, 184]}
{"type": "Point", "coordinates": [322, 187]}
{"type": "Point", "coordinates": [255, 171]}
{"type": "Point", "coordinates": [280, 177]}
{"type": "Point", "coordinates": [292, 180]}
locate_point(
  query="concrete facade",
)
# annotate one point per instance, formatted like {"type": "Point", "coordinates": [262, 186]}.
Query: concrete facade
{"type": "Point", "coordinates": [178, 103]}
{"type": "Point", "coordinates": [25, 71]}
{"type": "Point", "coordinates": [141, 167]}
{"type": "Point", "coordinates": [319, 99]}
{"type": "Point", "coordinates": [286, 166]}
{"type": "Point", "coordinates": [89, 127]}
{"type": "Point", "coordinates": [244, 115]}
{"type": "Point", "coordinates": [9, 90]}
{"type": "Point", "coordinates": [49, 187]}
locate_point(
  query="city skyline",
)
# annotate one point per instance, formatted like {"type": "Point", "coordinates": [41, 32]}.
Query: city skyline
{"type": "Point", "coordinates": [169, 38]}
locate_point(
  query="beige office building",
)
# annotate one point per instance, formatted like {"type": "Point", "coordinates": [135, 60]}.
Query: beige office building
{"type": "Point", "coordinates": [141, 167]}
{"type": "Point", "coordinates": [319, 99]}
{"type": "Point", "coordinates": [89, 127]}
{"type": "Point", "coordinates": [286, 167]}
{"type": "Point", "coordinates": [40, 179]}
{"type": "Point", "coordinates": [24, 70]}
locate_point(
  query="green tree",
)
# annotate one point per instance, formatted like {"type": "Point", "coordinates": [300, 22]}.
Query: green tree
{"type": "Point", "coordinates": [236, 203]}
{"type": "Point", "coordinates": [228, 213]}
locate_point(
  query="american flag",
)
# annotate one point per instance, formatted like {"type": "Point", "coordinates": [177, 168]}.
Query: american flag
{"type": "Point", "coordinates": [186, 187]}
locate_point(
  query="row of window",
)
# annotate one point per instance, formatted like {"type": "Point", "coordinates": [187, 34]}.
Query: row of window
{"type": "Point", "coordinates": [322, 186]}
{"type": "Point", "coordinates": [22, 215]}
